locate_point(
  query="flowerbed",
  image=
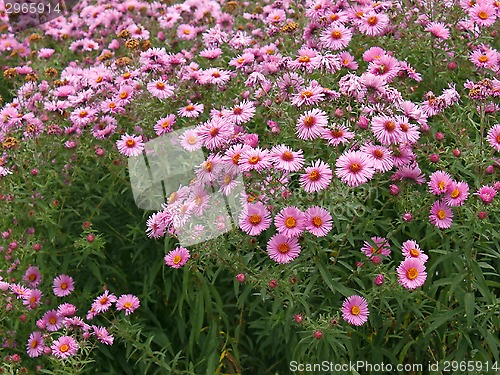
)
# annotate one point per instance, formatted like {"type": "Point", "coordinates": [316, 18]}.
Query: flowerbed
{"type": "Point", "coordinates": [227, 187]}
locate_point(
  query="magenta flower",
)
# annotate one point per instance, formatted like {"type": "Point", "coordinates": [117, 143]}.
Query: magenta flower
{"type": "Point", "coordinates": [373, 23]}
{"type": "Point", "coordinates": [103, 335]}
{"type": "Point", "coordinates": [63, 285]}
{"type": "Point", "coordinates": [255, 219]}
{"type": "Point", "coordinates": [379, 247]}
{"type": "Point", "coordinates": [285, 159]}
{"type": "Point", "coordinates": [177, 257]}
{"type": "Point", "coordinates": [130, 145]}
{"type": "Point", "coordinates": [317, 177]}
{"type": "Point", "coordinates": [494, 137]}
{"type": "Point", "coordinates": [311, 124]}
{"type": "Point", "coordinates": [441, 215]}
{"type": "Point", "coordinates": [164, 125]}
{"type": "Point", "coordinates": [486, 193]}
{"type": "Point", "coordinates": [337, 134]}
{"type": "Point", "coordinates": [290, 222]}
{"type": "Point", "coordinates": [35, 345]}
{"type": "Point", "coordinates": [411, 273]}
{"type": "Point", "coordinates": [380, 156]}
{"type": "Point", "coordinates": [254, 159]}
{"type": "Point", "coordinates": [456, 193]}
{"type": "Point", "coordinates": [439, 182]}
{"type": "Point", "coordinates": [386, 130]}
{"type": "Point", "coordinates": [411, 249]}
{"type": "Point", "coordinates": [354, 168]}
{"type": "Point", "coordinates": [483, 14]}
{"type": "Point", "coordinates": [355, 310]}
{"type": "Point", "coordinates": [318, 221]}
{"type": "Point", "coordinates": [104, 302]}
{"type": "Point", "coordinates": [282, 249]}
{"type": "Point", "coordinates": [336, 37]}
{"type": "Point", "coordinates": [127, 302]}
{"type": "Point", "coordinates": [32, 276]}
{"type": "Point", "coordinates": [64, 347]}
{"type": "Point", "coordinates": [438, 29]}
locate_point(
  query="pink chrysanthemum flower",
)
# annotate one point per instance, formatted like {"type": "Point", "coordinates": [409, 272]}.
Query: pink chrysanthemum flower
{"type": "Point", "coordinates": [386, 130]}
{"type": "Point", "coordinates": [409, 132]}
{"type": "Point", "coordinates": [373, 53]}
{"type": "Point", "coordinates": [411, 249]}
{"type": "Point", "coordinates": [63, 285]}
{"type": "Point", "coordinates": [190, 140]}
{"type": "Point", "coordinates": [355, 310]}
{"type": "Point", "coordinates": [441, 215]}
{"type": "Point", "coordinates": [379, 247]}
{"type": "Point", "coordinates": [127, 302]}
{"type": "Point", "coordinates": [160, 89]}
{"type": "Point", "coordinates": [494, 137]}
{"type": "Point", "coordinates": [254, 159]}
{"type": "Point", "coordinates": [164, 125]}
{"type": "Point", "coordinates": [130, 145]}
{"type": "Point", "coordinates": [66, 309]}
{"type": "Point", "coordinates": [380, 156]}
{"type": "Point", "coordinates": [215, 133]}
{"type": "Point", "coordinates": [35, 345]}
{"type": "Point", "coordinates": [52, 320]}
{"type": "Point", "coordinates": [290, 221]}
{"type": "Point", "coordinates": [373, 23]}
{"type": "Point", "coordinates": [186, 32]}
{"type": "Point", "coordinates": [104, 302]}
{"type": "Point", "coordinates": [308, 59]}
{"type": "Point", "coordinates": [411, 273]}
{"type": "Point", "coordinates": [255, 219]}
{"type": "Point", "coordinates": [456, 194]}
{"type": "Point", "coordinates": [64, 347]}
{"type": "Point", "coordinates": [241, 113]}
{"type": "Point", "coordinates": [285, 159]}
{"type": "Point", "coordinates": [386, 67]}
{"type": "Point", "coordinates": [33, 276]}
{"type": "Point", "coordinates": [309, 95]}
{"type": "Point", "coordinates": [438, 29]}
{"type": "Point", "coordinates": [282, 249]}
{"type": "Point", "coordinates": [317, 177]}
{"type": "Point", "coordinates": [32, 299]}
{"type": "Point", "coordinates": [311, 124]}
{"type": "Point", "coordinates": [354, 168]}
{"type": "Point", "coordinates": [177, 257]}
{"type": "Point", "coordinates": [232, 156]}
{"type": "Point", "coordinates": [486, 193]}
{"type": "Point", "coordinates": [483, 14]}
{"type": "Point", "coordinates": [439, 182]}
{"type": "Point", "coordinates": [347, 60]}
{"type": "Point", "coordinates": [483, 58]}
{"type": "Point", "coordinates": [103, 335]}
{"type": "Point", "coordinates": [337, 134]}
{"type": "Point", "coordinates": [191, 110]}
{"type": "Point", "coordinates": [336, 37]}
{"type": "Point", "coordinates": [318, 221]}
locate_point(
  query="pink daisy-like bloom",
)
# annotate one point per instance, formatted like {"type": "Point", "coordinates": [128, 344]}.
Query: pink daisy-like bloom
{"type": "Point", "coordinates": [254, 159]}
{"type": "Point", "coordinates": [232, 156]}
{"type": "Point", "coordinates": [290, 221]}
{"type": "Point", "coordinates": [127, 302]}
{"type": "Point", "coordinates": [318, 221]}
{"type": "Point", "coordinates": [386, 67]}
{"type": "Point", "coordinates": [124, 96]}
{"type": "Point", "coordinates": [211, 53]}
{"type": "Point", "coordinates": [373, 23]}
{"type": "Point", "coordinates": [35, 345]}
{"type": "Point", "coordinates": [190, 140]}
{"type": "Point", "coordinates": [486, 193]}
{"type": "Point", "coordinates": [66, 309]}
{"type": "Point", "coordinates": [354, 168]}
{"type": "Point", "coordinates": [439, 182]}
{"type": "Point", "coordinates": [130, 145]}
{"type": "Point", "coordinates": [311, 124]}
{"type": "Point", "coordinates": [337, 134]}
{"type": "Point", "coordinates": [386, 130]}
{"type": "Point", "coordinates": [32, 299]}
{"type": "Point", "coordinates": [282, 249]}
{"type": "Point", "coordinates": [103, 335]}
{"type": "Point", "coordinates": [379, 247]}
{"type": "Point", "coordinates": [355, 310]}
{"type": "Point", "coordinates": [104, 302]}
{"type": "Point", "coordinates": [456, 194]}
{"type": "Point", "coordinates": [52, 320]}
{"type": "Point", "coordinates": [438, 29]}
{"type": "Point", "coordinates": [380, 156]}
{"type": "Point", "coordinates": [241, 113]}
{"type": "Point", "coordinates": [373, 53]}
{"type": "Point", "coordinates": [441, 215]}
{"type": "Point", "coordinates": [285, 159]}
{"type": "Point", "coordinates": [494, 137]}
{"type": "Point", "coordinates": [33, 276]}
{"type": "Point", "coordinates": [411, 249]}
{"type": "Point", "coordinates": [347, 60]}
{"type": "Point", "coordinates": [411, 273]}
{"type": "Point", "coordinates": [164, 125]}
{"type": "Point", "coordinates": [63, 285]}
{"type": "Point", "coordinates": [308, 59]}
{"type": "Point", "coordinates": [160, 89]}
{"type": "Point", "coordinates": [409, 132]}
{"type": "Point", "coordinates": [64, 347]}
{"type": "Point", "coordinates": [186, 32]}
{"type": "Point", "coordinates": [483, 14]}
{"type": "Point", "coordinates": [483, 58]}
{"type": "Point", "coordinates": [214, 76]}
{"type": "Point", "coordinates": [309, 95]}
{"type": "Point", "coordinates": [336, 37]}
{"type": "Point", "coordinates": [254, 219]}
{"type": "Point", "coordinates": [191, 110]}
{"type": "Point", "coordinates": [317, 177]}
{"type": "Point", "coordinates": [215, 133]}
{"type": "Point", "coordinates": [177, 257]}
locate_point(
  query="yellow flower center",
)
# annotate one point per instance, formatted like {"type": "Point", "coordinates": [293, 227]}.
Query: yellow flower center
{"type": "Point", "coordinates": [442, 185]}
{"type": "Point", "coordinates": [287, 156]}
{"type": "Point", "coordinates": [412, 273]}
{"type": "Point", "coordinates": [336, 34]}
{"type": "Point", "coordinates": [441, 214]}
{"type": "Point", "coordinates": [177, 259]}
{"type": "Point", "coordinates": [389, 126]}
{"type": "Point", "coordinates": [355, 310]}
{"type": "Point", "coordinates": [64, 348]}
{"type": "Point", "coordinates": [290, 222]}
{"type": "Point", "coordinates": [283, 248]}
{"type": "Point", "coordinates": [189, 108]}
{"type": "Point", "coordinates": [455, 193]}
{"type": "Point", "coordinates": [483, 15]}
{"type": "Point", "coordinates": [123, 95]}
{"type": "Point", "coordinates": [52, 320]}
{"type": "Point", "coordinates": [306, 94]}
{"type": "Point", "coordinates": [355, 167]}
{"type": "Point", "coordinates": [191, 140]}
{"type": "Point", "coordinates": [314, 175]}
{"type": "Point", "coordinates": [34, 344]}
{"type": "Point", "coordinates": [160, 85]}
{"type": "Point", "coordinates": [130, 143]}
{"type": "Point", "coordinates": [304, 59]}
{"type": "Point", "coordinates": [317, 222]}
{"type": "Point", "coordinates": [255, 219]}
{"type": "Point", "coordinates": [64, 286]}
{"type": "Point", "coordinates": [254, 159]}
{"type": "Point", "coordinates": [414, 253]}
{"type": "Point", "coordinates": [127, 305]}
{"type": "Point", "coordinates": [309, 121]}
{"type": "Point", "coordinates": [372, 21]}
